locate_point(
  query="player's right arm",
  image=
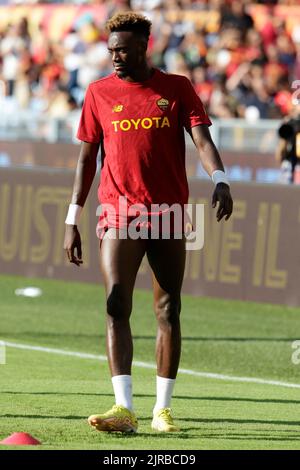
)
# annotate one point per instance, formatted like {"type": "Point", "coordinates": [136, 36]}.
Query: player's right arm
{"type": "Point", "coordinates": [85, 173]}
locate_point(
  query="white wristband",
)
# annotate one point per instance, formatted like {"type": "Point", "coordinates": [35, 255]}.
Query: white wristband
{"type": "Point", "coordinates": [218, 176]}
{"type": "Point", "coordinates": [73, 215]}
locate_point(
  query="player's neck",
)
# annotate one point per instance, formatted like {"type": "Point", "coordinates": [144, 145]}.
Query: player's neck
{"type": "Point", "coordinates": [140, 75]}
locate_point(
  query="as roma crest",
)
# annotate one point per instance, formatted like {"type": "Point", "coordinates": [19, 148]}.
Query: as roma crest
{"type": "Point", "coordinates": [162, 103]}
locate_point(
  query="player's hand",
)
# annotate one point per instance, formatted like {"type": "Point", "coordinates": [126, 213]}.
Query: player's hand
{"type": "Point", "coordinates": [73, 242]}
{"type": "Point", "coordinates": [223, 197]}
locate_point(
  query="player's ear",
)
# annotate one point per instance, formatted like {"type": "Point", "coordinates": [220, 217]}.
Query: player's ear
{"type": "Point", "coordinates": [142, 46]}
{"type": "Point", "coordinates": [141, 52]}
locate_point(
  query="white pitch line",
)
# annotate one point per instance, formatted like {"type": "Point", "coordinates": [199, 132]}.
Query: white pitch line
{"type": "Point", "coordinates": [147, 365]}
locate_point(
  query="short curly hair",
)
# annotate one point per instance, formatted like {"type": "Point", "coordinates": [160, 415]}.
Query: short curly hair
{"type": "Point", "coordinates": [129, 21]}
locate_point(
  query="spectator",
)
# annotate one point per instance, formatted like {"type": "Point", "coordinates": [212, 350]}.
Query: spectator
{"type": "Point", "coordinates": [234, 15]}
{"type": "Point", "coordinates": [229, 57]}
{"type": "Point", "coordinates": [288, 151]}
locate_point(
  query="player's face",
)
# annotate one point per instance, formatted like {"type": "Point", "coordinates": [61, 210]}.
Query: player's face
{"type": "Point", "coordinates": [127, 52]}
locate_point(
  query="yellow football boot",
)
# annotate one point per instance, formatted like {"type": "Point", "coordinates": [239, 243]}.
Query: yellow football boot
{"type": "Point", "coordinates": [118, 419]}
{"type": "Point", "coordinates": [163, 421]}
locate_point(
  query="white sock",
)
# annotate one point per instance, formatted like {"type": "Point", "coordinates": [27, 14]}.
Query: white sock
{"type": "Point", "coordinates": [122, 385]}
{"type": "Point", "coordinates": [164, 390]}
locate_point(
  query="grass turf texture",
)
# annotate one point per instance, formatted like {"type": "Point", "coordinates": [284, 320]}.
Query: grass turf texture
{"type": "Point", "coordinates": [50, 396]}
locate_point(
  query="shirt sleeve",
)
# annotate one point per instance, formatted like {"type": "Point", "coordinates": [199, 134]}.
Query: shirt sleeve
{"type": "Point", "coordinates": [192, 109]}
{"type": "Point", "coordinates": [89, 129]}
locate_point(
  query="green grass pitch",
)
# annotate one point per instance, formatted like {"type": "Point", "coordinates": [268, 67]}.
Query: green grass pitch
{"type": "Point", "coordinates": [51, 395]}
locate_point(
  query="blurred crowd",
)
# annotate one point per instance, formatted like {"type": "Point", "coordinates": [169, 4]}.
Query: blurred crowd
{"type": "Point", "coordinates": [238, 69]}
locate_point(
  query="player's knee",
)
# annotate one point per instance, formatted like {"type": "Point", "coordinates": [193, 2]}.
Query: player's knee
{"type": "Point", "coordinates": [117, 306]}
{"type": "Point", "coordinates": [168, 309]}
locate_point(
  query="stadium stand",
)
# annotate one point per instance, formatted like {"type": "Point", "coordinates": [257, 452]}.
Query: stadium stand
{"type": "Point", "coordinates": [242, 57]}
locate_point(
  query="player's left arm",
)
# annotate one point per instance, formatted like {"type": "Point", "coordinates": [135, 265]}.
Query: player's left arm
{"type": "Point", "coordinates": [211, 161]}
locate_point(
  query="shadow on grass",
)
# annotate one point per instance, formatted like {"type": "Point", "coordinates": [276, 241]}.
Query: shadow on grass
{"type": "Point", "coordinates": [175, 397]}
{"type": "Point", "coordinates": [41, 334]}
{"type": "Point", "coordinates": [61, 394]}
{"type": "Point", "coordinates": [239, 421]}
{"type": "Point", "coordinates": [148, 418]}
{"type": "Point", "coordinates": [251, 437]}
{"type": "Point", "coordinates": [156, 435]}
{"type": "Point", "coordinates": [239, 399]}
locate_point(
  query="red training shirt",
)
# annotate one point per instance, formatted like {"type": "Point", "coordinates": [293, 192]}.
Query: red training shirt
{"type": "Point", "coordinates": [142, 126]}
